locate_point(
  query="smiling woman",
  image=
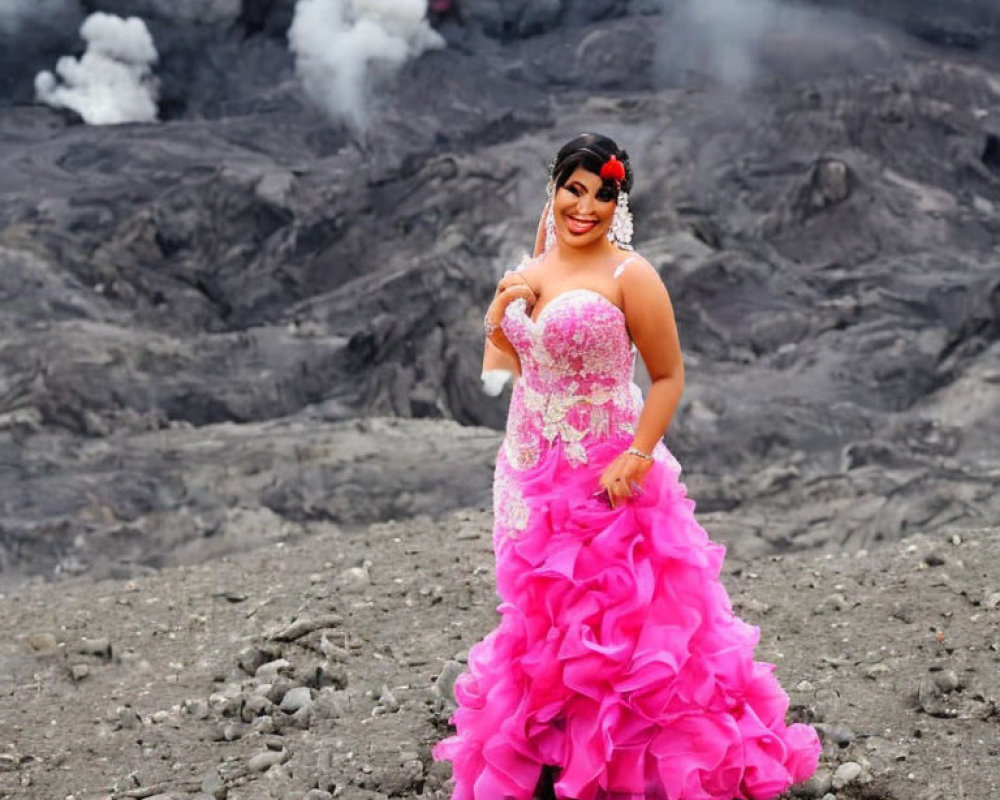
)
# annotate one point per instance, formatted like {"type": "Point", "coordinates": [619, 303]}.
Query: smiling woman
{"type": "Point", "coordinates": [618, 670]}
{"type": "Point", "coordinates": [584, 207]}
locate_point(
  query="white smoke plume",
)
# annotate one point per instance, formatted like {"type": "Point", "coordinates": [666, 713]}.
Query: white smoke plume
{"type": "Point", "coordinates": [340, 44]}
{"type": "Point", "coordinates": [113, 81]}
{"type": "Point", "coordinates": [726, 39]}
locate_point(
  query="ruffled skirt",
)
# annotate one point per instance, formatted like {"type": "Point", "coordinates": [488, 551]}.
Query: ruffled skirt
{"type": "Point", "coordinates": [617, 658]}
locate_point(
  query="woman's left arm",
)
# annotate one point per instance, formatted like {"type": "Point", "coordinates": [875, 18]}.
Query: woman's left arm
{"type": "Point", "coordinates": [649, 316]}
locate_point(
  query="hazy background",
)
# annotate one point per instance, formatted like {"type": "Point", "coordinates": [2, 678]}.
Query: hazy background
{"type": "Point", "coordinates": [245, 246]}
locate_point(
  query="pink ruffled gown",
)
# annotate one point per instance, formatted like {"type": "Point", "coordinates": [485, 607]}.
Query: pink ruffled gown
{"type": "Point", "coordinates": [617, 658]}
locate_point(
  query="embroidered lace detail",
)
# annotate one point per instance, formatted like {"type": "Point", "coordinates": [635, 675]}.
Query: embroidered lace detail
{"type": "Point", "coordinates": [576, 377]}
{"type": "Point", "coordinates": [510, 508]}
{"type": "Point", "coordinates": [571, 417]}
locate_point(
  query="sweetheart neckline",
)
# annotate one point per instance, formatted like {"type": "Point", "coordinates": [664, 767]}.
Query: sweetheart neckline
{"type": "Point", "coordinates": [554, 300]}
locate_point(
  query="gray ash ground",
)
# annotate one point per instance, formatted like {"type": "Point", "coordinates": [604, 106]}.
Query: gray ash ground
{"type": "Point", "coordinates": [322, 667]}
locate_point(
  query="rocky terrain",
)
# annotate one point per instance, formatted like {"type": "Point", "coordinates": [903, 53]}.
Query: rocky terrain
{"type": "Point", "coordinates": [241, 423]}
{"type": "Point", "coordinates": [323, 668]}
{"type": "Point", "coordinates": [185, 301]}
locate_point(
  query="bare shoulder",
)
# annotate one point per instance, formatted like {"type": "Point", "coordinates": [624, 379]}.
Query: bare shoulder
{"type": "Point", "coordinates": [531, 272]}
{"type": "Point", "coordinates": [529, 262]}
{"type": "Point", "coordinates": [637, 277]}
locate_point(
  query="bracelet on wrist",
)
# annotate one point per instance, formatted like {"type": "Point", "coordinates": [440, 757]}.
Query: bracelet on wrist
{"type": "Point", "coordinates": [490, 327]}
{"type": "Point", "coordinates": [635, 451]}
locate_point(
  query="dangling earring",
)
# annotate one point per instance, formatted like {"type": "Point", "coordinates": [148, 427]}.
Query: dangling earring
{"type": "Point", "coordinates": [620, 232]}
{"type": "Point", "coordinates": [550, 217]}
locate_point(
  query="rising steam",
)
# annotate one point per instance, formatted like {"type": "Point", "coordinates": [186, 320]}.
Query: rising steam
{"type": "Point", "coordinates": [339, 45]}
{"type": "Point", "coordinates": [113, 81]}
{"type": "Point", "coordinates": [18, 14]}
{"type": "Point", "coordinates": [725, 39]}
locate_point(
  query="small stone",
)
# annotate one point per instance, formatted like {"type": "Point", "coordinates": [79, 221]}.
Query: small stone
{"type": "Point", "coordinates": [317, 794]}
{"type": "Point", "coordinates": [444, 686]}
{"type": "Point", "coordinates": [160, 717]}
{"type": "Point", "coordinates": [818, 785]}
{"type": "Point", "coordinates": [277, 690]}
{"type": "Point", "coordinates": [262, 762]}
{"type": "Point", "coordinates": [875, 671]}
{"type": "Point", "coordinates": [930, 697]}
{"type": "Point", "coordinates": [388, 700]}
{"type": "Point", "coordinates": [126, 717]}
{"type": "Point", "coordinates": [841, 735]}
{"type": "Point", "coordinates": [43, 644]}
{"type": "Point", "coordinates": [195, 708]}
{"type": "Point", "coordinates": [846, 773]}
{"type": "Point", "coordinates": [947, 680]}
{"type": "Point", "coordinates": [992, 600]}
{"type": "Point", "coordinates": [95, 647]}
{"type": "Point", "coordinates": [307, 625]}
{"type": "Point", "coordinates": [255, 706]}
{"type": "Point", "coordinates": [296, 698]}
{"type": "Point", "coordinates": [269, 672]}
{"type": "Point", "coordinates": [79, 671]}
{"type": "Point", "coordinates": [355, 579]}
{"type": "Point", "coordinates": [251, 658]}
{"type": "Point", "coordinates": [227, 705]}
{"type": "Point", "coordinates": [264, 725]}
{"type": "Point", "coordinates": [231, 732]}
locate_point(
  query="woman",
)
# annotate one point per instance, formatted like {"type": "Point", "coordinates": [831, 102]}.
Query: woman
{"type": "Point", "coordinates": [618, 670]}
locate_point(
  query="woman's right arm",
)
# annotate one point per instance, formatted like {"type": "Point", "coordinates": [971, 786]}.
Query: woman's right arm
{"type": "Point", "coordinates": [496, 360]}
{"type": "Point", "coordinates": [500, 353]}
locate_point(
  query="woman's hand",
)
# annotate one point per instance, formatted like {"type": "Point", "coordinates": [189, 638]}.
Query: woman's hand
{"type": "Point", "coordinates": [512, 286]}
{"type": "Point", "coordinates": [512, 281]}
{"type": "Point", "coordinates": [622, 478]}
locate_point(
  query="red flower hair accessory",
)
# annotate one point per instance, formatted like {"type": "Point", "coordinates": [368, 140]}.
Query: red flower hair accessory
{"type": "Point", "coordinates": [613, 169]}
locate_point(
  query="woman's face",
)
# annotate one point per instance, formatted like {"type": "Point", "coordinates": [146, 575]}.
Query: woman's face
{"type": "Point", "coordinates": [582, 218]}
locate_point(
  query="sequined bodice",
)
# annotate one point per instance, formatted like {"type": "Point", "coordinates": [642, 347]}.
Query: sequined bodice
{"type": "Point", "coordinates": [577, 364]}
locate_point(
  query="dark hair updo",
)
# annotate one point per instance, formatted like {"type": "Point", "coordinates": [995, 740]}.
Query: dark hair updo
{"type": "Point", "coordinates": [590, 151]}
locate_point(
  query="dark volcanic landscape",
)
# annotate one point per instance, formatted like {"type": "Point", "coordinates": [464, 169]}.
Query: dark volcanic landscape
{"type": "Point", "coordinates": [189, 303]}
{"type": "Point", "coordinates": [254, 327]}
